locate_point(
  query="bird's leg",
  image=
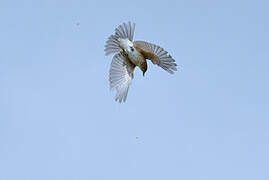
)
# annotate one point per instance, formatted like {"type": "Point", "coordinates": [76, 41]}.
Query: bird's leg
{"type": "Point", "coordinates": [124, 54]}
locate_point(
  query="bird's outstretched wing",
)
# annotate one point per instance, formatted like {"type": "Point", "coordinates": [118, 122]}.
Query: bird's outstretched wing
{"type": "Point", "coordinates": [120, 76]}
{"type": "Point", "coordinates": [123, 31]}
{"type": "Point", "coordinates": [157, 55]}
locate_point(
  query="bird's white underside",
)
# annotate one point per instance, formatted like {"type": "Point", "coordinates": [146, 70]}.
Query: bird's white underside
{"type": "Point", "coordinates": [126, 45]}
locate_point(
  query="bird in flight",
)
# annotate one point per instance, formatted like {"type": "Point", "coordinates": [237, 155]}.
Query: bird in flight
{"type": "Point", "coordinates": [128, 55]}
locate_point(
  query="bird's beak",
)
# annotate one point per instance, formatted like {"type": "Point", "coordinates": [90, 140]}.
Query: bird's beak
{"type": "Point", "coordinates": [143, 73]}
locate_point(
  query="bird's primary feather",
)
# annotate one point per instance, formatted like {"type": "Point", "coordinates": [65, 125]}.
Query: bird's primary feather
{"type": "Point", "coordinates": [120, 76]}
{"type": "Point", "coordinates": [157, 55]}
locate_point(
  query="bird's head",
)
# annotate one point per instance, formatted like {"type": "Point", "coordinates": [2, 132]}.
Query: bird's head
{"type": "Point", "coordinates": [143, 67]}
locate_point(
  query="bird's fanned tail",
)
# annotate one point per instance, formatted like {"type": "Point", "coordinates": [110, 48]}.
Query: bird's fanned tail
{"type": "Point", "coordinates": [123, 31]}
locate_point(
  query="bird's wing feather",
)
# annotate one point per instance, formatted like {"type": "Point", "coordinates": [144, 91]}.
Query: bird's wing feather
{"type": "Point", "coordinates": [157, 55]}
{"type": "Point", "coordinates": [124, 31]}
{"type": "Point", "coordinates": [120, 76]}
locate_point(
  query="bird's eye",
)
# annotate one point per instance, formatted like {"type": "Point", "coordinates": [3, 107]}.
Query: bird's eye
{"type": "Point", "coordinates": [132, 49]}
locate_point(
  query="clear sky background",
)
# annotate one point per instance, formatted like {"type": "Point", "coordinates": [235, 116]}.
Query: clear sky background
{"type": "Point", "coordinates": [59, 121]}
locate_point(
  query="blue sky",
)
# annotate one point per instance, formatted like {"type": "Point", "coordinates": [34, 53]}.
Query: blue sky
{"type": "Point", "coordinates": [209, 121]}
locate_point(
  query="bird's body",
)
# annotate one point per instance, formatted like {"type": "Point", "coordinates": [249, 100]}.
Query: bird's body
{"type": "Point", "coordinates": [133, 54]}
{"type": "Point", "coordinates": [130, 54]}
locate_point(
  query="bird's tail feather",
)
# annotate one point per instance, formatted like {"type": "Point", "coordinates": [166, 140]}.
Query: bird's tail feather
{"type": "Point", "coordinates": [124, 31]}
